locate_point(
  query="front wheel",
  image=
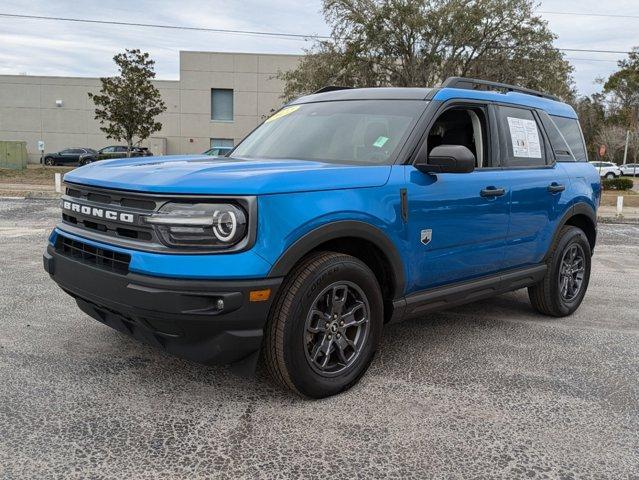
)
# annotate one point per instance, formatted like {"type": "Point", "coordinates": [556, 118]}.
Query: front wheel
{"type": "Point", "coordinates": [325, 325]}
{"type": "Point", "coordinates": [563, 288]}
{"type": "Point", "coordinates": [49, 162]}
{"type": "Point", "coordinates": [85, 161]}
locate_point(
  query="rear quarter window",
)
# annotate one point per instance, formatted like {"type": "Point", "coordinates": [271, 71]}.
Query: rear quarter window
{"type": "Point", "coordinates": [571, 131]}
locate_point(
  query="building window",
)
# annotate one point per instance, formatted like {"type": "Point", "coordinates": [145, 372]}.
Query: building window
{"type": "Point", "coordinates": [222, 104]}
{"type": "Point", "coordinates": [222, 142]}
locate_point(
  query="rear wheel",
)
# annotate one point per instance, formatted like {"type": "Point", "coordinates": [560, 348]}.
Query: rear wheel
{"type": "Point", "coordinates": [325, 325]}
{"type": "Point", "coordinates": [563, 288]}
{"type": "Point", "coordinates": [85, 161]}
{"type": "Point", "coordinates": [610, 175]}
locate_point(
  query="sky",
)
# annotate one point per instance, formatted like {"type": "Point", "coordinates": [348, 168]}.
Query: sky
{"type": "Point", "coordinates": [39, 47]}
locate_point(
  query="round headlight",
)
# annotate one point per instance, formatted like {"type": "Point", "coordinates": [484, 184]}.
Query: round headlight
{"type": "Point", "coordinates": [225, 225]}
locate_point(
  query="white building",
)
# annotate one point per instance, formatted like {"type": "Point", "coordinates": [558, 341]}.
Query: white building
{"type": "Point", "coordinates": [219, 98]}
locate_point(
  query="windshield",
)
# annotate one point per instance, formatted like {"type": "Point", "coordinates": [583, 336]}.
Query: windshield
{"type": "Point", "coordinates": [350, 131]}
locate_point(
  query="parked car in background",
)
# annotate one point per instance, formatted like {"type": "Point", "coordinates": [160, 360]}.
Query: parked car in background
{"type": "Point", "coordinates": [218, 151]}
{"type": "Point", "coordinates": [630, 169]}
{"type": "Point", "coordinates": [607, 169]}
{"type": "Point", "coordinates": [67, 156]}
{"type": "Point", "coordinates": [113, 151]}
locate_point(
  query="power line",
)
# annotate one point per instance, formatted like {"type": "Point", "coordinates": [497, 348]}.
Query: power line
{"type": "Point", "coordinates": [610, 15]}
{"type": "Point", "coordinates": [592, 51]}
{"type": "Point", "coordinates": [290, 36]}
{"type": "Point", "coordinates": [574, 59]}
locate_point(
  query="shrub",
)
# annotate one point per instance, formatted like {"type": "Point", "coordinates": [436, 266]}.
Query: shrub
{"type": "Point", "coordinates": [619, 183]}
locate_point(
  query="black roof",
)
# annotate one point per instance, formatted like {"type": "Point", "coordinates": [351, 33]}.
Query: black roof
{"type": "Point", "coordinates": [332, 92]}
{"type": "Point", "coordinates": [380, 93]}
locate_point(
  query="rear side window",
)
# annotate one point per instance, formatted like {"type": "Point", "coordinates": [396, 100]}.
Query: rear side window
{"type": "Point", "coordinates": [524, 142]}
{"type": "Point", "coordinates": [560, 148]}
{"type": "Point", "coordinates": [569, 128]}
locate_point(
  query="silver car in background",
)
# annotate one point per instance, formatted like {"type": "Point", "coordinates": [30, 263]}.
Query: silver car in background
{"type": "Point", "coordinates": [630, 169]}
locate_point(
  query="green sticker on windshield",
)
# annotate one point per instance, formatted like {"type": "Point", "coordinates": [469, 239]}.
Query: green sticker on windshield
{"type": "Point", "coordinates": [379, 143]}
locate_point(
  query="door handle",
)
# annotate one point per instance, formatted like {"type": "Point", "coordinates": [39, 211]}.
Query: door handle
{"type": "Point", "coordinates": [492, 192]}
{"type": "Point", "coordinates": [555, 187]}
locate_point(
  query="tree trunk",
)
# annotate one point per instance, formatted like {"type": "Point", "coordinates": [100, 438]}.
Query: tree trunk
{"type": "Point", "coordinates": [129, 145]}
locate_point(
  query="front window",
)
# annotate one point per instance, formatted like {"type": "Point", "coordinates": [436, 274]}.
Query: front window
{"type": "Point", "coordinates": [367, 132]}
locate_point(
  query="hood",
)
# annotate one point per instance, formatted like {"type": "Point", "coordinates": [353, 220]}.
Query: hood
{"type": "Point", "coordinates": [225, 176]}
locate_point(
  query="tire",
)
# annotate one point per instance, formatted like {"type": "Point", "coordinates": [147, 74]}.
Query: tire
{"type": "Point", "coordinates": [49, 162]}
{"type": "Point", "coordinates": [610, 176]}
{"type": "Point", "coordinates": [85, 161]}
{"type": "Point", "coordinates": [550, 296]}
{"type": "Point", "coordinates": [300, 328]}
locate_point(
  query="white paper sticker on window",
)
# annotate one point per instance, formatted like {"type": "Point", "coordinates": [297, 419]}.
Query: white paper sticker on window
{"type": "Point", "coordinates": [525, 138]}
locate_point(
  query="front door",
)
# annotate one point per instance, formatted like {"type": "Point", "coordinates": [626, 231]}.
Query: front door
{"type": "Point", "coordinates": [457, 223]}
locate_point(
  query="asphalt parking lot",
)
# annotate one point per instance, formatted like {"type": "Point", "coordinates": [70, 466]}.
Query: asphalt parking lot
{"type": "Point", "coordinates": [488, 390]}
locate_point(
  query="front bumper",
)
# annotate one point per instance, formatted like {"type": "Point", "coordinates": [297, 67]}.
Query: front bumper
{"type": "Point", "coordinates": [177, 315]}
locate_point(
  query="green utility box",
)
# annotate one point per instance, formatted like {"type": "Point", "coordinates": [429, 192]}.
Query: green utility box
{"type": "Point", "coordinates": [13, 155]}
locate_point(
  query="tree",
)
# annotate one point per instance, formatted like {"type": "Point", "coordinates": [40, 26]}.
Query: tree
{"type": "Point", "coordinates": [408, 43]}
{"type": "Point", "coordinates": [614, 138]}
{"type": "Point", "coordinates": [622, 91]}
{"type": "Point", "coordinates": [592, 117]}
{"type": "Point", "coordinates": [128, 103]}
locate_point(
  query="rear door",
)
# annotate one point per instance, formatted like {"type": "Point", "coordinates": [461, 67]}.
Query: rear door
{"type": "Point", "coordinates": [537, 186]}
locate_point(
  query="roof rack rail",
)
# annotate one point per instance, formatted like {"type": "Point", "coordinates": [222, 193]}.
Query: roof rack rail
{"type": "Point", "coordinates": [331, 88]}
{"type": "Point", "coordinates": [476, 84]}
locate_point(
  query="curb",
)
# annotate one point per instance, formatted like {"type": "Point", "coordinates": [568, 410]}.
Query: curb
{"type": "Point", "coordinates": [618, 220]}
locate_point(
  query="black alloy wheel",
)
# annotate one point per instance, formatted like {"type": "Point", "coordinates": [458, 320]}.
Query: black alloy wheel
{"type": "Point", "coordinates": [336, 328]}
{"type": "Point", "coordinates": [571, 272]}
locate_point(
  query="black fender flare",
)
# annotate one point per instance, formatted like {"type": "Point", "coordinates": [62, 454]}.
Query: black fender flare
{"type": "Point", "coordinates": [580, 208]}
{"type": "Point", "coordinates": [342, 229]}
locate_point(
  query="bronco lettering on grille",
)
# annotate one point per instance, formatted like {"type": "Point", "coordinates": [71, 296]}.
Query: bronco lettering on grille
{"type": "Point", "coordinates": [98, 212]}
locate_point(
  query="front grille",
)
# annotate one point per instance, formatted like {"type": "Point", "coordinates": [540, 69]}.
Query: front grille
{"type": "Point", "coordinates": [98, 257]}
{"type": "Point", "coordinates": [136, 204]}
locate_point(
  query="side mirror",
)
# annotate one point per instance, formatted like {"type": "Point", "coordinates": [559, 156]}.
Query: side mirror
{"type": "Point", "coordinates": [447, 159]}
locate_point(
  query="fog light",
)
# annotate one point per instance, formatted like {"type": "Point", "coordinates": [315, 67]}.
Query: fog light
{"type": "Point", "coordinates": [220, 304]}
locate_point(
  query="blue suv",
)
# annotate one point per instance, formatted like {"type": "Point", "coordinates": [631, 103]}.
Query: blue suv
{"type": "Point", "coordinates": [345, 210]}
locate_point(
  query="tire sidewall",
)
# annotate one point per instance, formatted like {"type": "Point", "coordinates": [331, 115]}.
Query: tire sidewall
{"type": "Point", "coordinates": [574, 235]}
{"type": "Point", "coordinates": [305, 379]}
{"type": "Point", "coordinates": [49, 162]}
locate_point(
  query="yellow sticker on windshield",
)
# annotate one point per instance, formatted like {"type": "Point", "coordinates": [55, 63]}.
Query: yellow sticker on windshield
{"type": "Point", "coordinates": [282, 113]}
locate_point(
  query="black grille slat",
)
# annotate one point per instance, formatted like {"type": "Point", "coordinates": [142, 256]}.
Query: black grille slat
{"type": "Point", "coordinates": [139, 204]}
{"type": "Point", "coordinates": [104, 197]}
{"type": "Point", "coordinates": [99, 198]}
{"type": "Point", "coordinates": [100, 257]}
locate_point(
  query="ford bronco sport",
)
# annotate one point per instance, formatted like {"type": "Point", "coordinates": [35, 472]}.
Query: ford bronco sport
{"type": "Point", "coordinates": [345, 210]}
